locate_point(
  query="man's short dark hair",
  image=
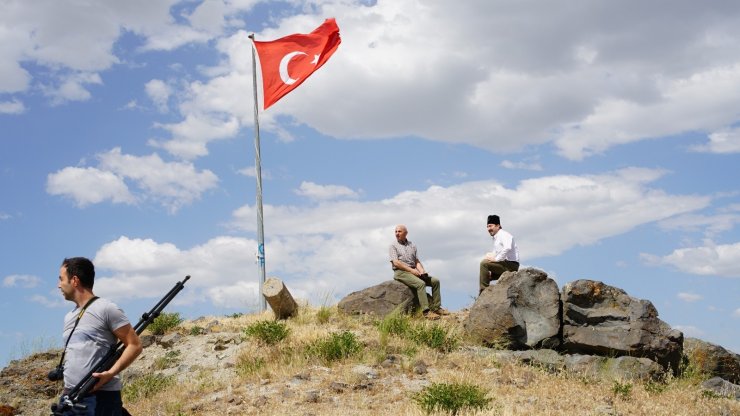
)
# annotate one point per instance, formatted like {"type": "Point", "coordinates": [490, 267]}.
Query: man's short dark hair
{"type": "Point", "coordinates": [82, 268]}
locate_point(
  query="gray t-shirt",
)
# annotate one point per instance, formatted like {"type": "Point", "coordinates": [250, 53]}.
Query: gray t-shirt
{"type": "Point", "coordinates": [91, 340]}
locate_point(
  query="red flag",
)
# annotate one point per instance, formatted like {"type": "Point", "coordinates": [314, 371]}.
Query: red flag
{"type": "Point", "coordinates": [288, 61]}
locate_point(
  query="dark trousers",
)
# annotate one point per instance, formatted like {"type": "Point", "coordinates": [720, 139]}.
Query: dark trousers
{"type": "Point", "coordinates": [100, 403]}
{"type": "Point", "coordinates": [492, 270]}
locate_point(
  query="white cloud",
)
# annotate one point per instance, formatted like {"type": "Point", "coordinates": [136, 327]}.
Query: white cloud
{"type": "Point", "coordinates": [342, 245]}
{"type": "Point", "coordinates": [251, 171]}
{"type": "Point", "coordinates": [689, 297]}
{"type": "Point", "coordinates": [88, 186]}
{"type": "Point", "coordinates": [736, 314]}
{"type": "Point", "coordinates": [223, 270]}
{"type": "Point", "coordinates": [625, 73]}
{"type": "Point", "coordinates": [12, 107]}
{"type": "Point", "coordinates": [689, 330]}
{"type": "Point", "coordinates": [325, 192]}
{"type": "Point", "coordinates": [172, 184]}
{"type": "Point", "coordinates": [521, 165]}
{"type": "Point", "coordinates": [19, 280]}
{"type": "Point", "coordinates": [718, 260]}
{"type": "Point", "coordinates": [159, 92]}
{"type": "Point", "coordinates": [72, 87]}
{"type": "Point", "coordinates": [724, 141]}
{"type": "Point", "coordinates": [710, 225]}
{"type": "Point", "coordinates": [4, 216]}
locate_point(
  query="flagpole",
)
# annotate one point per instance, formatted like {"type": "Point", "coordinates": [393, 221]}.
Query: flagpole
{"type": "Point", "coordinates": [258, 171]}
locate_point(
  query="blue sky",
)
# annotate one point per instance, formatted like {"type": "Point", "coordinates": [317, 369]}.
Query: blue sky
{"type": "Point", "coordinates": [605, 134]}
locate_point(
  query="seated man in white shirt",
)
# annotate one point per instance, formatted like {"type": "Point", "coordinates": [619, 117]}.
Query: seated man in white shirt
{"type": "Point", "coordinates": [504, 257]}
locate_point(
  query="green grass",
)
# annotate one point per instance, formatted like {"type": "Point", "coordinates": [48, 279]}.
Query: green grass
{"type": "Point", "coordinates": [164, 322]}
{"type": "Point", "coordinates": [452, 398]}
{"type": "Point", "coordinates": [146, 387]}
{"type": "Point", "coordinates": [623, 390]}
{"type": "Point", "coordinates": [169, 360]}
{"type": "Point", "coordinates": [269, 332]}
{"type": "Point", "coordinates": [246, 366]}
{"type": "Point", "coordinates": [432, 335]}
{"type": "Point", "coordinates": [197, 330]}
{"type": "Point", "coordinates": [335, 347]}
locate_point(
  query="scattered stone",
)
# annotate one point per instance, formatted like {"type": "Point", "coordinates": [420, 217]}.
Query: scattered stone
{"type": "Point", "coordinates": [313, 396]}
{"type": "Point", "coordinates": [169, 340]}
{"type": "Point", "coordinates": [147, 340]}
{"type": "Point", "coordinates": [260, 401]}
{"type": "Point", "coordinates": [366, 371]}
{"type": "Point", "coordinates": [420, 367]}
{"type": "Point", "coordinates": [338, 387]}
{"type": "Point", "coordinates": [722, 387]}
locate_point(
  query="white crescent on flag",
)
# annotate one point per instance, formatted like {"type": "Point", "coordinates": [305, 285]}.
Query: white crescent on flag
{"type": "Point", "coordinates": [284, 75]}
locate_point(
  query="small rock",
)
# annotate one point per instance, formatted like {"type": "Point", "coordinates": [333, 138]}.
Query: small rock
{"type": "Point", "coordinates": [169, 340]}
{"type": "Point", "coordinates": [338, 386]}
{"type": "Point", "coordinates": [420, 367]}
{"type": "Point", "coordinates": [260, 401]}
{"type": "Point", "coordinates": [313, 396]}
{"type": "Point", "coordinates": [147, 340]}
{"type": "Point", "coordinates": [366, 371]}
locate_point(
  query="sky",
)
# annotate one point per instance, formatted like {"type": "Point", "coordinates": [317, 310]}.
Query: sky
{"type": "Point", "coordinates": [606, 135]}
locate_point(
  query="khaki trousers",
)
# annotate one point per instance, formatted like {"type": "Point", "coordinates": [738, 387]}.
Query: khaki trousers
{"type": "Point", "coordinates": [419, 286]}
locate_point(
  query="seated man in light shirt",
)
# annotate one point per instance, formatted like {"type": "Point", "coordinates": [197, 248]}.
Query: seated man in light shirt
{"type": "Point", "coordinates": [407, 269]}
{"type": "Point", "coordinates": [503, 258]}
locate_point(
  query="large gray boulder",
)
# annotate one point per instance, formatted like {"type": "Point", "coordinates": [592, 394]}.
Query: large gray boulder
{"type": "Point", "coordinates": [712, 359]}
{"type": "Point", "coordinates": [521, 311]}
{"type": "Point", "coordinates": [379, 300]}
{"type": "Point", "coordinates": [604, 320]}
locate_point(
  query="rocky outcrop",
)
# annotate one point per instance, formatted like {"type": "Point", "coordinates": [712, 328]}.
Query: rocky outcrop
{"type": "Point", "coordinates": [522, 310]}
{"type": "Point", "coordinates": [604, 320]}
{"type": "Point", "coordinates": [379, 300]}
{"type": "Point", "coordinates": [712, 359]}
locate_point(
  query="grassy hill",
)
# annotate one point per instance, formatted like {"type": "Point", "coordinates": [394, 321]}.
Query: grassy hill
{"type": "Point", "coordinates": [325, 363]}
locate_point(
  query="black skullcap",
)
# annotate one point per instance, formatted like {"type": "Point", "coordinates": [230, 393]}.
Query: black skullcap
{"type": "Point", "coordinates": [493, 219]}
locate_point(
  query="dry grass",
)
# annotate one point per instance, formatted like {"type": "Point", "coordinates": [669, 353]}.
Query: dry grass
{"type": "Point", "coordinates": [286, 380]}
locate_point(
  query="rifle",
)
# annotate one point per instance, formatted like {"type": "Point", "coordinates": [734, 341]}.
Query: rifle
{"type": "Point", "coordinates": [72, 399]}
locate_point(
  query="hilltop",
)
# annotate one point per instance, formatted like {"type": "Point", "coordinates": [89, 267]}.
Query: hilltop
{"type": "Point", "coordinates": [326, 363]}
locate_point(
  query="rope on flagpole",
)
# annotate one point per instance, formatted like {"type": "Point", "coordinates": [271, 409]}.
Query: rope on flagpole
{"type": "Point", "coordinates": [258, 172]}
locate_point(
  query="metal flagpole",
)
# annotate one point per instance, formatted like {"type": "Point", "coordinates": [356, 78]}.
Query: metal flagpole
{"type": "Point", "coordinates": [258, 171]}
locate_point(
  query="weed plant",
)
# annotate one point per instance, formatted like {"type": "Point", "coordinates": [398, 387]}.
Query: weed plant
{"type": "Point", "coordinates": [323, 314]}
{"type": "Point", "coordinates": [622, 390]}
{"type": "Point", "coordinates": [335, 347]}
{"type": "Point", "coordinates": [164, 322]}
{"type": "Point", "coordinates": [169, 360]}
{"type": "Point", "coordinates": [197, 330]}
{"type": "Point", "coordinates": [269, 332]}
{"type": "Point", "coordinates": [247, 365]}
{"type": "Point", "coordinates": [452, 398]}
{"type": "Point", "coordinates": [146, 387]}
{"type": "Point", "coordinates": [434, 336]}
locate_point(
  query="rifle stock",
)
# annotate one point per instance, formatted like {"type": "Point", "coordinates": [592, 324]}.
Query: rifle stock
{"type": "Point", "coordinates": [78, 392]}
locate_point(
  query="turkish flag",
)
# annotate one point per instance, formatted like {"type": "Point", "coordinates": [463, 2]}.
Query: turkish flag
{"type": "Point", "coordinates": [288, 61]}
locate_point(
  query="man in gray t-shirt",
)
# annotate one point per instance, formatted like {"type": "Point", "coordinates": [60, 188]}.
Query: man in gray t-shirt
{"type": "Point", "coordinates": [100, 324]}
{"type": "Point", "coordinates": [91, 340]}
